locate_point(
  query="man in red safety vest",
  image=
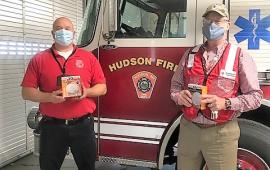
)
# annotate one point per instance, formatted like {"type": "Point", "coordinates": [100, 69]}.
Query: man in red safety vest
{"type": "Point", "coordinates": [213, 84]}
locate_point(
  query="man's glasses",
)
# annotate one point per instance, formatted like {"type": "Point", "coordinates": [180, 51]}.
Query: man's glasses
{"type": "Point", "coordinates": [217, 22]}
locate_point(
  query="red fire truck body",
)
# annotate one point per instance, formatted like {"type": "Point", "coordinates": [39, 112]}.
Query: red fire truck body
{"type": "Point", "coordinates": [139, 44]}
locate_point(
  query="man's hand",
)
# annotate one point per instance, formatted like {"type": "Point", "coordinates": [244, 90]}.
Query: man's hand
{"type": "Point", "coordinates": [34, 95]}
{"type": "Point", "coordinates": [84, 93]}
{"type": "Point", "coordinates": [95, 91]}
{"type": "Point", "coordinates": [185, 98]}
{"type": "Point", "coordinates": [214, 102]}
{"type": "Point", "coordinates": [55, 97]}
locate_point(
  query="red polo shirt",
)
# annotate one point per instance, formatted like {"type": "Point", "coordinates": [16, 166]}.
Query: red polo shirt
{"type": "Point", "coordinates": [42, 73]}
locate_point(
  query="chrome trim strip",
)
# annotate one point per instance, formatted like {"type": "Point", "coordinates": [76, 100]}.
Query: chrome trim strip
{"type": "Point", "coordinates": [264, 78]}
{"type": "Point", "coordinates": [129, 140]}
{"type": "Point", "coordinates": [134, 122]}
{"type": "Point", "coordinates": [264, 83]}
{"type": "Point", "coordinates": [166, 140]}
{"type": "Point", "coordinates": [264, 75]}
{"type": "Point", "coordinates": [266, 102]}
{"type": "Point", "coordinates": [128, 162]}
{"type": "Point", "coordinates": [130, 130]}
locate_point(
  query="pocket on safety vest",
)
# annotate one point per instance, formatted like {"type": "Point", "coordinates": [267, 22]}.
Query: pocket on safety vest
{"type": "Point", "coordinates": [225, 84]}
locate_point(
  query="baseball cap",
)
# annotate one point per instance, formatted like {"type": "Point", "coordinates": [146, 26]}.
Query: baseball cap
{"type": "Point", "coordinates": [219, 8]}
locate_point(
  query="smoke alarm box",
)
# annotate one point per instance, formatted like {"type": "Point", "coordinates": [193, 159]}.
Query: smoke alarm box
{"type": "Point", "coordinates": [196, 92]}
{"type": "Point", "coordinates": [71, 86]}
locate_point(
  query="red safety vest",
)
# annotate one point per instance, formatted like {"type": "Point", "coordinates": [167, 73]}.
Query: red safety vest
{"type": "Point", "coordinates": [222, 80]}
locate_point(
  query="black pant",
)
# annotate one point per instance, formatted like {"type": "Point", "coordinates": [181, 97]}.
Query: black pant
{"type": "Point", "coordinates": [56, 138]}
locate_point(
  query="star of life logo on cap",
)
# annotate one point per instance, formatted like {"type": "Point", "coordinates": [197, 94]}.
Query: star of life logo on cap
{"type": "Point", "coordinates": [144, 83]}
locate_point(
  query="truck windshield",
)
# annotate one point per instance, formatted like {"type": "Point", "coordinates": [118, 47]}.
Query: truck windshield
{"type": "Point", "coordinates": [89, 22]}
{"type": "Point", "coordinates": [152, 19]}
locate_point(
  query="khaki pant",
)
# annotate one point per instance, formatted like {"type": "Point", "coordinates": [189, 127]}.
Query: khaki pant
{"type": "Point", "coordinates": [216, 145]}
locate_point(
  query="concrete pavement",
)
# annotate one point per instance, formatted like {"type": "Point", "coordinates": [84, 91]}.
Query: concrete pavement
{"type": "Point", "coordinates": [30, 162]}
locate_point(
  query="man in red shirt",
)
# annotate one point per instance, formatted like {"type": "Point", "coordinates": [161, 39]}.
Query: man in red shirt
{"type": "Point", "coordinates": [66, 122]}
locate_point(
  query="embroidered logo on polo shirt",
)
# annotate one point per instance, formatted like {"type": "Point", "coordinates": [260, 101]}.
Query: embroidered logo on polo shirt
{"type": "Point", "coordinates": [79, 64]}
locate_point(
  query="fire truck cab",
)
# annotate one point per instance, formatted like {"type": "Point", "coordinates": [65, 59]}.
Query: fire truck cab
{"type": "Point", "coordinates": [139, 44]}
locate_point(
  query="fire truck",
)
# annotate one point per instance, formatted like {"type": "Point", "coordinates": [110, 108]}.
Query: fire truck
{"type": "Point", "coordinates": [139, 44]}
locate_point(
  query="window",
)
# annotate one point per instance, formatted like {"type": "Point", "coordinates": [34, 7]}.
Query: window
{"type": "Point", "coordinates": [175, 25]}
{"type": "Point", "coordinates": [89, 22]}
{"type": "Point", "coordinates": [152, 19]}
{"type": "Point", "coordinates": [136, 22]}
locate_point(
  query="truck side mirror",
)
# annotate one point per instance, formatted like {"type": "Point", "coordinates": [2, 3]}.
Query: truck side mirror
{"type": "Point", "coordinates": [110, 22]}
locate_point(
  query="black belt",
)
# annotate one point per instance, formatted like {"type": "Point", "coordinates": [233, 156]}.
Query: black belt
{"type": "Point", "coordinates": [200, 125]}
{"type": "Point", "coordinates": [72, 121]}
{"type": "Point", "coordinates": [204, 125]}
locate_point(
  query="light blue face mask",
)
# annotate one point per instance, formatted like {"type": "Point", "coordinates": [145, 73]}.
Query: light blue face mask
{"type": "Point", "coordinates": [212, 31]}
{"type": "Point", "coordinates": [63, 37]}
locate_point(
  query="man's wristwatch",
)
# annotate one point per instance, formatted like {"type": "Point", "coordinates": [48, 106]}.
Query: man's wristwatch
{"type": "Point", "coordinates": [228, 104]}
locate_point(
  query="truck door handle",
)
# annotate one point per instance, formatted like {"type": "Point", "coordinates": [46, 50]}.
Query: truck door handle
{"type": "Point", "coordinates": [109, 47]}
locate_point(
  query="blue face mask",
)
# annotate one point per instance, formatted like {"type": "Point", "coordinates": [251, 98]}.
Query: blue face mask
{"type": "Point", "coordinates": [212, 31]}
{"type": "Point", "coordinates": [63, 37]}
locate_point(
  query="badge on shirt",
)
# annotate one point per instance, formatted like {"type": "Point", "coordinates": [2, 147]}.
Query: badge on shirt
{"type": "Point", "coordinates": [228, 74]}
{"type": "Point", "coordinates": [79, 63]}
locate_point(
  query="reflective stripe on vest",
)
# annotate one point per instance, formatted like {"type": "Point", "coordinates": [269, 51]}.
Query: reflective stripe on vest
{"type": "Point", "coordinates": [228, 71]}
{"type": "Point", "coordinates": [192, 55]}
